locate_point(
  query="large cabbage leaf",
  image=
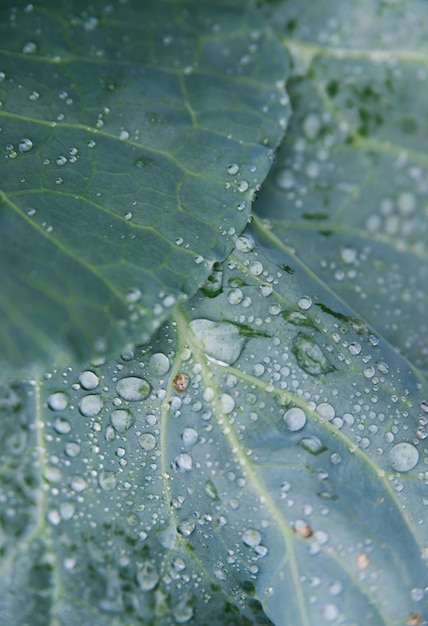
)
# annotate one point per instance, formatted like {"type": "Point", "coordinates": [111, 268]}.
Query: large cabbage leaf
{"type": "Point", "coordinates": [133, 138]}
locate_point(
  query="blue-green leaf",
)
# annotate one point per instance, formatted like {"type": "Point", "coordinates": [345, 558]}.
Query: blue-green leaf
{"type": "Point", "coordinates": [349, 191]}
{"type": "Point", "coordinates": [133, 138]}
{"type": "Point", "coordinates": [224, 473]}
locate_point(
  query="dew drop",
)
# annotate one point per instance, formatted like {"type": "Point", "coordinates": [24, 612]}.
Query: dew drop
{"type": "Point", "coordinates": [29, 48]}
{"type": "Point", "coordinates": [243, 185]}
{"type": "Point", "coordinates": [183, 462]}
{"type": "Point", "coordinates": [133, 388]}
{"type": "Point", "coordinates": [189, 437]}
{"type": "Point", "coordinates": [227, 403]}
{"type": "Point", "coordinates": [25, 145]}
{"type": "Point", "coordinates": [309, 355]}
{"type": "Point", "coordinates": [123, 135]}
{"type": "Point", "coordinates": [233, 169]}
{"type": "Point", "coordinates": [89, 380]}
{"type": "Point", "coordinates": [305, 302]}
{"type": "Point", "coordinates": [147, 441]}
{"type": "Point", "coordinates": [121, 420]}
{"type": "Point", "coordinates": [62, 426]}
{"type": "Point", "coordinates": [251, 537]}
{"type": "Point", "coordinates": [107, 481]}
{"type": "Point", "coordinates": [295, 419]}
{"type": "Point", "coordinates": [221, 341]}
{"type": "Point", "coordinates": [330, 612]}
{"type": "Point", "coordinates": [326, 411]}
{"type": "Point", "coordinates": [313, 445]}
{"type": "Point", "coordinates": [58, 401]}
{"type": "Point", "coordinates": [147, 576]}
{"type": "Point", "coordinates": [403, 457]}
{"type": "Point", "coordinates": [186, 527]}
{"type": "Point", "coordinates": [159, 364]}
{"type": "Point", "coordinates": [183, 611]}
{"type": "Point", "coordinates": [90, 405]}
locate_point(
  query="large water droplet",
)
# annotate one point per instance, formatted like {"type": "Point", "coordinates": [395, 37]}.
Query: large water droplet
{"type": "Point", "coordinates": [309, 355]}
{"type": "Point", "coordinates": [58, 401]}
{"type": "Point", "coordinates": [159, 364]}
{"type": "Point", "coordinates": [89, 380]}
{"type": "Point", "coordinates": [183, 462]}
{"type": "Point", "coordinates": [220, 340]}
{"type": "Point", "coordinates": [107, 481]}
{"type": "Point", "coordinates": [133, 388]}
{"type": "Point", "coordinates": [295, 419]}
{"type": "Point", "coordinates": [147, 441]}
{"type": "Point", "coordinates": [403, 457]}
{"type": "Point", "coordinates": [147, 576]}
{"type": "Point", "coordinates": [25, 145]}
{"type": "Point", "coordinates": [183, 611]}
{"type": "Point", "coordinates": [186, 527]}
{"type": "Point", "coordinates": [90, 405]}
{"type": "Point", "coordinates": [189, 437]}
{"type": "Point", "coordinates": [122, 420]}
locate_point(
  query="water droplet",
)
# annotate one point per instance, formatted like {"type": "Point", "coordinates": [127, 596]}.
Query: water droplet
{"type": "Point", "coordinates": [58, 401]}
{"type": "Point", "coordinates": [72, 449]}
{"type": "Point", "coordinates": [243, 185]}
{"type": "Point", "coordinates": [311, 126]}
{"type": "Point", "coordinates": [122, 420]}
{"type": "Point", "coordinates": [147, 576]}
{"type": "Point", "coordinates": [159, 364]}
{"type": "Point", "coordinates": [326, 411]}
{"type": "Point", "coordinates": [305, 302]}
{"type": "Point", "coordinates": [133, 388]}
{"type": "Point", "coordinates": [285, 179]}
{"type": "Point", "coordinates": [221, 341]}
{"type": "Point", "coordinates": [251, 537]}
{"type": "Point", "coordinates": [313, 445]}
{"type": "Point", "coordinates": [123, 135]}
{"type": "Point", "coordinates": [62, 426]}
{"type": "Point", "coordinates": [233, 169]}
{"type": "Point", "coordinates": [186, 527]}
{"type": "Point", "coordinates": [295, 419]}
{"type": "Point", "coordinates": [61, 160]}
{"type": "Point", "coordinates": [29, 48]}
{"type": "Point", "coordinates": [245, 243]}
{"type": "Point", "coordinates": [403, 457]}
{"type": "Point", "coordinates": [227, 403]}
{"type": "Point", "coordinates": [211, 490]}
{"type": "Point", "coordinates": [78, 483]}
{"type": "Point", "coordinates": [107, 481]}
{"type": "Point", "coordinates": [25, 145]}
{"type": "Point", "coordinates": [147, 441]}
{"type": "Point", "coordinates": [183, 611]}
{"type": "Point", "coordinates": [330, 612]}
{"type": "Point", "coordinates": [89, 380]}
{"type": "Point", "coordinates": [189, 437]}
{"type": "Point", "coordinates": [183, 462]}
{"type": "Point", "coordinates": [309, 355]}
{"type": "Point", "coordinates": [214, 283]}
{"type": "Point", "coordinates": [90, 405]}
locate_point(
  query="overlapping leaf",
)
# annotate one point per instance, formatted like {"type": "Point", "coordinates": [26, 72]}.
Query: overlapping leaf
{"type": "Point", "coordinates": [133, 138]}
{"type": "Point", "coordinates": [350, 187]}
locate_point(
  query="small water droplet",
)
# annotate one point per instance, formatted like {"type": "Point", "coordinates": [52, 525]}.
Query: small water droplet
{"type": "Point", "coordinates": [326, 411]}
{"type": "Point", "coordinates": [309, 355]}
{"type": "Point", "coordinates": [233, 169]}
{"type": "Point", "coordinates": [251, 537]}
{"type": "Point", "coordinates": [305, 302]}
{"type": "Point", "coordinates": [243, 186]}
{"type": "Point", "coordinates": [62, 426]}
{"type": "Point", "coordinates": [133, 388]}
{"type": "Point", "coordinates": [403, 457]}
{"type": "Point", "coordinates": [227, 403]}
{"type": "Point", "coordinates": [183, 611]}
{"type": "Point", "coordinates": [123, 135]}
{"type": "Point", "coordinates": [25, 145]}
{"type": "Point", "coordinates": [29, 48]}
{"type": "Point", "coordinates": [313, 445]}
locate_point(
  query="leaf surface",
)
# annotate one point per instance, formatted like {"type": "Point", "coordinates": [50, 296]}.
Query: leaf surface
{"type": "Point", "coordinates": [133, 139]}
{"type": "Point", "coordinates": [271, 473]}
{"type": "Point", "coordinates": [349, 189]}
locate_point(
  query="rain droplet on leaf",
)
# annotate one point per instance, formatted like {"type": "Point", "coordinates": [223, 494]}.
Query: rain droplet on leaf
{"type": "Point", "coordinates": [403, 457]}
{"type": "Point", "coordinates": [133, 388]}
{"type": "Point", "coordinates": [309, 355]}
{"type": "Point", "coordinates": [221, 341]}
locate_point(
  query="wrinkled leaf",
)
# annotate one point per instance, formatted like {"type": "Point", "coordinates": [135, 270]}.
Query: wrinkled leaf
{"type": "Point", "coordinates": [349, 191]}
{"type": "Point", "coordinates": [133, 138]}
{"type": "Point", "coordinates": [174, 486]}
